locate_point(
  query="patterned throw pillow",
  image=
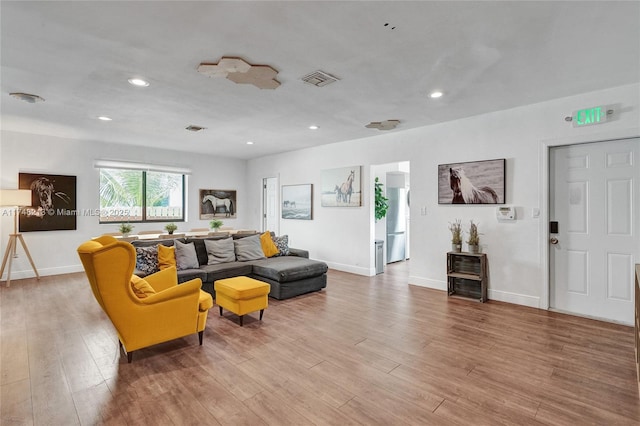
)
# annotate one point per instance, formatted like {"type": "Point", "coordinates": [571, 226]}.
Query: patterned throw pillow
{"type": "Point", "coordinates": [282, 242]}
{"type": "Point", "coordinates": [147, 259]}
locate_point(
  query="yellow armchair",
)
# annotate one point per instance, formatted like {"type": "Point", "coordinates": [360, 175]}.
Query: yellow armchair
{"type": "Point", "coordinates": [172, 312]}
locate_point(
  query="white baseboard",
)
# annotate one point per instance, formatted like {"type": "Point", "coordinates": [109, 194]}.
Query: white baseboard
{"type": "Point", "coordinates": [358, 270]}
{"type": "Point", "coordinates": [427, 282]}
{"type": "Point", "coordinates": [43, 272]}
{"type": "Point", "coordinates": [515, 298]}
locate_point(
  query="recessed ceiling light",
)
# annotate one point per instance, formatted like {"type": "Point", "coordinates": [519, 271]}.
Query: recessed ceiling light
{"type": "Point", "coordinates": [138, 82]}
{"type": "Point", "coordinates": [435, 95]}
{"type": "Point", "coordinates": [104, 118]}
{"type": "Point", "coordinates": [314, 127]}
{"type": "Point", "coordinates": [249, 143]}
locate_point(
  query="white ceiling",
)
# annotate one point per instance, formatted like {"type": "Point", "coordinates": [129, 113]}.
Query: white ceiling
{"type": "Point", "coordinates": [485, 56]}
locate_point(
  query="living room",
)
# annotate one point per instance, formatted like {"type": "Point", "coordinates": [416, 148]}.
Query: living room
{"type": "Point", "coordinates": [522, 133]}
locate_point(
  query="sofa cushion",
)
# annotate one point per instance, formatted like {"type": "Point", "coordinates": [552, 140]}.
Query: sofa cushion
{"type": "Point", "coordinates": [186, 257]}
{"type": "Point", "coordinates": [226, 270]}
{"type": "Point", "coordinates": [220, 251]}
{"type": "Point", "coordinates": [201, 250]}
{"type": "Point", "coordinates": [166, 257]}
{"type": "Point", "coordinates": [248, 248]}
{"type": "Point", "coordinates": [282, 243]}
{"type": "Point", "coordinates": [190, 274]}
{"type": "Point", "coordinates": [147, 259]}
{"type": "Point", "coordinates": [288, 268]}
{"type": "Point", "coordinates": [141, 287]}
{"type": "Point", "coordinates": [268, 247]}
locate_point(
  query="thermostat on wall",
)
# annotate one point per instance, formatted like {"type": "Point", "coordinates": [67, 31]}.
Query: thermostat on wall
{"type": "Point", "coordinates": [506, 213]}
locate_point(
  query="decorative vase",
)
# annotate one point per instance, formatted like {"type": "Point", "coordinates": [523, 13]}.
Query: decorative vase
{"type": "Point", "coordinates": [125, 234]}
{"type": "Point", "coordinates": [474, 248]}
{"type": "Point", "coordinates": [170, 232]}
{"type": "Point", "coordinates": [456, 248]}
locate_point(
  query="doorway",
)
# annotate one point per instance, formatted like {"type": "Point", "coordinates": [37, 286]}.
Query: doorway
{"type": "Point", "coordinates": [594, 190]}
{"type": "Point", "coordinates": [270, 205]}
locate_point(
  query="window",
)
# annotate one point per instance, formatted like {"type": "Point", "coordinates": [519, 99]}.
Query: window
{"type": "Point", "coordinates": [141, 196]}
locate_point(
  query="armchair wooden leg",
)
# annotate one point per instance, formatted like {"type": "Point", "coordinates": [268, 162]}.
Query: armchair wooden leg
{"type": "Point", "coordinates": [241, 317]}
{"type": "Point", "coordinates": [129, 357]}
{"type": "Point", "coordinates": [261, 312]}
{"type": "Point", "coordinates": [200, 336]}
{"type": "Point", "coordinates": [220, 310]}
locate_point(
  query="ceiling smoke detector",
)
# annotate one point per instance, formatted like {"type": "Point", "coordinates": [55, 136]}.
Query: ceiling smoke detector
{"type": "Point", "coordinates": [27, 97]}
{"type": "Point", "coordinates": [319, 78]}
{"type": "Point", "coordinates": [194, 128]}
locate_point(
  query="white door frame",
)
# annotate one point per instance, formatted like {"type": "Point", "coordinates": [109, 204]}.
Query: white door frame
{"type": "Point", "coordinates": [263, 211]}
{"type": "Point", "coordinates": [545, 147]}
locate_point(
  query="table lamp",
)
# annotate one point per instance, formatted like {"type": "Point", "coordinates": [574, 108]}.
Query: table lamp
{"type": "Point", "coordinates": [15, 198]}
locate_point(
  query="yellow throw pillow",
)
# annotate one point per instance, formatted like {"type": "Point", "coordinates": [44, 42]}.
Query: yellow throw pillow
{"type": "Point", "coordinates": [268, 247]}
{"type": "Point", "coordinates": [166, 257]}
{"type": "Point", "coordinates": [141, 288]}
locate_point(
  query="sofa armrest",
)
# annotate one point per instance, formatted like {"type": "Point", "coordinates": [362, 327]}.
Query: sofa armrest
{"type": "Point", "coordinates": [298, 252]}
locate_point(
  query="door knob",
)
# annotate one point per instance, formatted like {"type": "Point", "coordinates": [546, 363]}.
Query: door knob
{"type": "Point", "coordinates": [553, 240]}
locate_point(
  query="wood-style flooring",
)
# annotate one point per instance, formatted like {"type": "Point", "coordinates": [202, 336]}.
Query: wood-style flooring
{"type": "Point", "coordinates": [364, 351]}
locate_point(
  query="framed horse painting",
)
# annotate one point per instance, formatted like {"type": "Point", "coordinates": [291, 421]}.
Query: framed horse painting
{"type": "Point", "coordinates": [342, 187]}
{"type": "Point", "coordinates": [475, 182]}
{"type": "Point", "coordinates": [218, 203]}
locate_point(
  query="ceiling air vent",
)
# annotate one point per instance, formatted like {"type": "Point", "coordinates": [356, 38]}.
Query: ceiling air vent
{"type": "Point", "coordinates": [194, 128]}
{"type": "Point", "coordinates": [319, 78]}
{"type": "Point", "coordinates": [27, 97]}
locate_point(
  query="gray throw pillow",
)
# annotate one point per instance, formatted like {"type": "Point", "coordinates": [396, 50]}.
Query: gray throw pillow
{"type": "Point", "coordinates": [186, 257]}
{"type": "Point", "coordinates": [248, 248]}
{"type": "Point", "coordinates": [220, 251]}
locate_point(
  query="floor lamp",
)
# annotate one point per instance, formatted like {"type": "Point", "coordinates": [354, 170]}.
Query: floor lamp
{"type": "Point", "coordinates": [15, 198]}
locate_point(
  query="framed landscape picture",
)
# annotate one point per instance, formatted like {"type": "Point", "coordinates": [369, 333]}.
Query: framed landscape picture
{"type": "Point", "coordinates": [341, 187]}
{"type": "Point", "coordinates": [475, 182]}
{"type": "Point", "coordinates": [297, 201]}
{"type": "Point", "coordinates": [53, 202]}
{"type": "Point", "coordinates": [218, 203]}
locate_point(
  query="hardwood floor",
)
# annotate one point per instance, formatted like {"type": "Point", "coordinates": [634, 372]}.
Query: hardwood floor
{"type": "Point", "coordinates": [363, 351]}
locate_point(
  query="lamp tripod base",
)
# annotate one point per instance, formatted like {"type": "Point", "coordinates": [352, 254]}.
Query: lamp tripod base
{"type": "Point", "coordinates": [10, 253]}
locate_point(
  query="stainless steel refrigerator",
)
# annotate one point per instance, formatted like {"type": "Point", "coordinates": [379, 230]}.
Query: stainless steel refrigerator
{"type": "Point", "coordinates": [396, 224]}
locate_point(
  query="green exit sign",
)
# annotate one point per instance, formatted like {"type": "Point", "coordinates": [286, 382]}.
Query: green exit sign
{"type": "Point", "coordinates": [589, 116]}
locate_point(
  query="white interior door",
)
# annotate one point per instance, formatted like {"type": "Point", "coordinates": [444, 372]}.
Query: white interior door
{"type": "Point", "coordinates": [594, 193]}
{"type": "Point", "coordinates": [270, 207]}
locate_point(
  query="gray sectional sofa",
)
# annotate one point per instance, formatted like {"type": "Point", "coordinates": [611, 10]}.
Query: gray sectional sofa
{"type": "Point", "coordinates": [289, 276]}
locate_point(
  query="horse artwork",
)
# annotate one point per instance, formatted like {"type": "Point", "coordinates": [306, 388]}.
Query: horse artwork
{"type": "Point", "coordinates": [341, 187]}
{"type": "Point", "coordinates": [479, 182]}
{"type": "Point", "coordinates": [53, 202]}
{"type": "Point", "coordinates": [217, 203]}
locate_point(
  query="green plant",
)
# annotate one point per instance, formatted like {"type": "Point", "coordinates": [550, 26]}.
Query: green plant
{"type": "Point", "coordinates": [125, 228]}
{"type": "Point", "coordinates": [382, 202]}
{"type": "Point", "coordinates": [474, 236]}
{"type": "Point", "coordinates": [456, 231]}
{"type": "Point", "coordinates": [170, 227]}
{"type": "Point", "coordinates": [215, 224]}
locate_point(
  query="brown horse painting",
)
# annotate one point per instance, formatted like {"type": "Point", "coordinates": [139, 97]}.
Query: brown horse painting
{"type": "Point", "coordinates": [346, 188]}
{"type": "Point", "coordinates": [465, 193]}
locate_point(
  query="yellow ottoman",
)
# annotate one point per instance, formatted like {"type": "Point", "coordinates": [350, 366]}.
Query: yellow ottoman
{"type": "Point", "coordinates": [242, 295]}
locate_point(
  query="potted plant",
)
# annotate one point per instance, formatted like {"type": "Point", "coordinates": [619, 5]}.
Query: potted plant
{"type": "Point", "coordinates": [382, 202]}
{"type": "Point", "coordinates": [474, 238]}
{"type": "Point", "coordinates": [125, 228]}
{"type": "Point", "coordinates": [215, 224]}
{"type": "Point", "coordinates": [456, 235]}
{"type": "Point", "coordinates": [170, 227]}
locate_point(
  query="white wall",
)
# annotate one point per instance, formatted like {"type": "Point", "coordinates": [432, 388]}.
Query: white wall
{"type": "Point", "coordinates": [343, 237]}
{"type": "Point", "coordinates": [54, 252]}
